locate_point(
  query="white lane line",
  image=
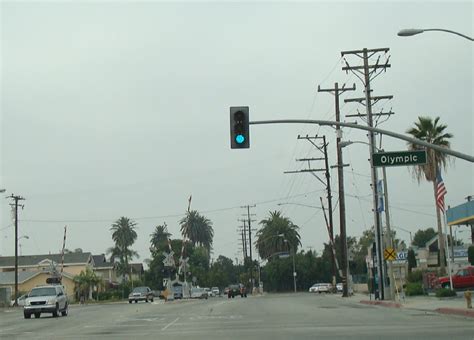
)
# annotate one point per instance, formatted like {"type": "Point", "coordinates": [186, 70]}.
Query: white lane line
{"type": "Point", "coordinates": [170, 324]}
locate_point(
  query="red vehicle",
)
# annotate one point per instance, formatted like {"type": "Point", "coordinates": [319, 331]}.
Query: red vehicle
{"type": "Point", "coordinates": [464, 278]}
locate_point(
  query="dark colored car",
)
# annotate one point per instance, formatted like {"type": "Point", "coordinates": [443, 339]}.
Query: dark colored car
{"type": "Point", "coordinates": [233, 290]}
{"type": "Point", "coordinates": [141, 294]}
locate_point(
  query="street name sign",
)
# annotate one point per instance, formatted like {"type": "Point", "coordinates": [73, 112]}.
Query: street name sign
{"type": "Point", "coordinates": [399, 158]}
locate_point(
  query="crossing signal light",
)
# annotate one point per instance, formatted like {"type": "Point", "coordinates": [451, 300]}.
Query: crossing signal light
{"type": "Point", "coordinates": [239, 127]}
{"type": "Point", "coordinates": [53, 280]}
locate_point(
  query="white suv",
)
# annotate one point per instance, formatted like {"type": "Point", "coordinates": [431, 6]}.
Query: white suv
{"type": "Point", "coordinates": [46, 299]}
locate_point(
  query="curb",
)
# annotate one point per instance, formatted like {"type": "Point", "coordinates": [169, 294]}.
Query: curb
{"type": "Point", "coordinates": [456, 311]}
{"type": "Point", "coordinates": [382, 303]}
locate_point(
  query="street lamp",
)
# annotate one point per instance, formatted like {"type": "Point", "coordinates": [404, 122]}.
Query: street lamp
{"type": "Point", "coordinates": [414, 31]}
{"type": "Point", "coordinates": [378, 239]}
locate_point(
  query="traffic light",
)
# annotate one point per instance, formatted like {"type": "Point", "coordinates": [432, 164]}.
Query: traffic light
{"type": "Point", "coordinates": [239, 127]}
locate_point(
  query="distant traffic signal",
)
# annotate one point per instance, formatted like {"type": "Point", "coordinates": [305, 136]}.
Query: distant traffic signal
{"type": "Point", "coordinates": [239, 127]}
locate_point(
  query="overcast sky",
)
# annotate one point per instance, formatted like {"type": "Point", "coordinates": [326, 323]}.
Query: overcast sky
{"type": "Point", "coordinates": [122, 109]}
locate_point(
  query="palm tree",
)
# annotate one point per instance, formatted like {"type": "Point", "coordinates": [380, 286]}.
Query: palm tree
{"type": "Point", "coordinates": [198, 229]}
{"type": "Point", "coordinates": [85, 281]}
{"type": "Point", "coordinates": [432, 132]}
{"type": "Point", "coordinates": [274, 235]}
{"type": "Point", "coordinates": [160, 236]}
{"type": "Point", "coordinates": [124, 235]}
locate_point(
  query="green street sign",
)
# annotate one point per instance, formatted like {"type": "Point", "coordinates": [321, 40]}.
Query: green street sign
{"type": "Point", "coordinates": [399, 158]}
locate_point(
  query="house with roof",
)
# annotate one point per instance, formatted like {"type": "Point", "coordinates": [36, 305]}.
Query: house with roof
{"type": "Point", "coordinates": [33, 270]}
{"type": "Point", "coordinates": [28, 280]}
{"type": "Point", "coordinates": [106, 270]}
{"type": "Point", "coordinates": [73, 264]}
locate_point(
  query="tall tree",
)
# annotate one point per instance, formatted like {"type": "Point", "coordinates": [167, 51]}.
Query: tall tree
{"type": "Point", "coordinates": [278, 234]}
{"type": "Point", "coordinates": [432, 132]}
{"type": "Point", "coordinates": [124, 235]}
{"type": "Point", "coordinates": [159, 237]}
{"type": "Point", "coordinates": [198, 229]}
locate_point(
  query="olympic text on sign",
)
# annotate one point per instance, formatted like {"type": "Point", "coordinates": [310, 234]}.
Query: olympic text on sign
{"type": "Point", "coordinates": [399, 158]}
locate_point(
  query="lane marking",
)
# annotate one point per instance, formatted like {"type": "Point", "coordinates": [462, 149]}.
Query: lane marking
{"type": "Point", "coordinates": [170, 324]}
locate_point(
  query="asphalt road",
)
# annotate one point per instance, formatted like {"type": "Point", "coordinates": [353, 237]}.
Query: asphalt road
{"type": "Point", "coordinates": [273, 316]}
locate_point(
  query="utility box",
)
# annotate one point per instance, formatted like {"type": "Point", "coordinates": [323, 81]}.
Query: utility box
{"type": "Point", "coordinates": [5, 296]}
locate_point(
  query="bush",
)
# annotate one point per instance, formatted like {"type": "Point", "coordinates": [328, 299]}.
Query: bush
{"type": "Point", "coordinates": [414, 288]}
{"type": "Point", "coordinates": [415, 276]}
{"type": "Point", "coordinates": [445, 292]}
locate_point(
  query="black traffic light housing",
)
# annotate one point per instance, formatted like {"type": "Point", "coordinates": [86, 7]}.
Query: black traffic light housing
{"type": "Point", "coordinates": [239, 127]}
{"type": "Point", "coordinates": [53, 280]}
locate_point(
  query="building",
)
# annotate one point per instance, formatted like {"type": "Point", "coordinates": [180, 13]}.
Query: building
{"type": "Point", "coordinates": [106, 270]}
{"type": "Point", "coordinates": [33, 270]}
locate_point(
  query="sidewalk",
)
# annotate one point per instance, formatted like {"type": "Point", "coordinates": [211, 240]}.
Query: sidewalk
{"type": "Point", "coordinates": [452, 306]}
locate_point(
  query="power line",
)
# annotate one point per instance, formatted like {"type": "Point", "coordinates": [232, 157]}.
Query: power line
{"type": "Point", "coordinates": [160, 216]}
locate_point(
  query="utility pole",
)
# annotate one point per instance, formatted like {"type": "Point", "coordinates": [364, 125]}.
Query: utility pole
{"type": "Point", "coordinates": [249, 221]}
{"type": "Point", "coordinates": [244, 240]}
{"type": "Point", "coordinates": [327, 184]}
{"type": "Point", "coordinates": [16, 199]}
{"type": "Point", "coordinates": [369, 72]}
{"type": "Point", "coordinates": [340, 172]}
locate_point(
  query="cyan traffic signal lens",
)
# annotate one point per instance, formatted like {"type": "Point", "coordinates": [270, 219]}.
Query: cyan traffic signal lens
{"type": "Point", "coordinates": [239, 139]}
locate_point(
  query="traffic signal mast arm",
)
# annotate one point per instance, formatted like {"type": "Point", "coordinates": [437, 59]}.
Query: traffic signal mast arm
{"type": "Point", "coordinates": [368, 128]}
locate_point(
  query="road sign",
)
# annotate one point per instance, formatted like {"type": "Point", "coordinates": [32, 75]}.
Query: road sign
{"type": "Point", "coordinates": [169, 260]}
{"type": "Point", "coordinates": [390, 254]}
{"type": "Point", "coordinates": [399, 158]}
{"type": "Point", "coordinates": [402, 256]}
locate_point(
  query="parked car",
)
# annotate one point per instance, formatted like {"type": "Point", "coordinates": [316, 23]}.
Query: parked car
{"type": "Point", "coordinates": [464, 278]}
{"type": "Point", "coordinates": [141, 294]}
{"type": "Point", "coordinates": [198, 293]}
{"type": "Point", "coordinates": [209, 292]}
{"type": "Point", "coordinates": [233, 290]}
{"type": "Point", "coordinates": [21, 300]}
{"type": "Point", "coordinates": [46, 299]}
{"type": "Point", "coordinates": [339, 287]}
{"type": "Point", "coordinates": [321, 288]}
{"type": "Point", "coordinates": [215, 291]}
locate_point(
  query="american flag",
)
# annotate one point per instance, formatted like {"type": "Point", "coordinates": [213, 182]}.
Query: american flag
{"type": "Point", "coordinates": [440, 192]}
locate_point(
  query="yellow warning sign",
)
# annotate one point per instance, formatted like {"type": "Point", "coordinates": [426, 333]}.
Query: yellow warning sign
{"type": "Point", "coordinates": [389, 254]}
